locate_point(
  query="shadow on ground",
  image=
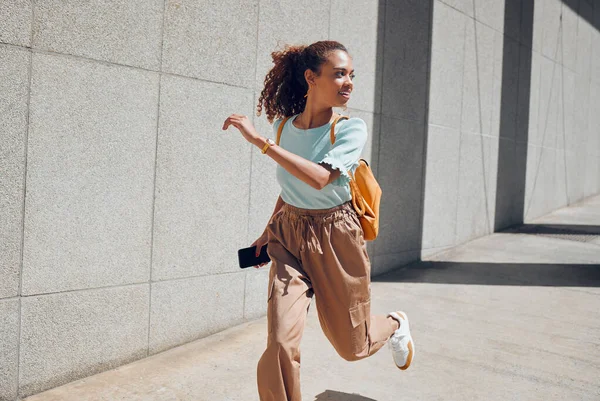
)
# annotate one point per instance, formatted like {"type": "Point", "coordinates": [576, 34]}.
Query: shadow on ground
{"type": "Point", "coordinates": [519, 274]}
{"type": "Point", "coordinates": [574, 229]}
{"type": "Point", "coordinates": [330, 395]}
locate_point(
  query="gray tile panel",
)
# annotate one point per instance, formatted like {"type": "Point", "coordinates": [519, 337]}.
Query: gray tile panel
{"type": "Point", "coordinates": [16, 22]}
{"type": "Point", "coordinates": [9, 348]}
{"type": "Point", "coordinates": [406, 59]}
{"type": "Point", "coordinates": [202, 179]}
{"type": "Point", "coordinates": [14, 92]}
{"type": "Point", "coordinates": [187, 309]}
{"type": "Point", "coordinates": [70, 335]}
{"type": "Point", "coordinates": [90, 164]}
{"type": "Point", "coordinates": [124, 31]}
{"type": "Point", "coordinates": [211, 40]}
{"type": "Point", "coordinates": [441, 187]}
{"type": "Point", "coordinates": [401, 178]}
{"type": "Point", "coordinates": [447, 65]}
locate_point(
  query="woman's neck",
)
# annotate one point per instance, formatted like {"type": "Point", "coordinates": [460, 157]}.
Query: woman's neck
{"type": "Point", "coordinates": [311, 119]}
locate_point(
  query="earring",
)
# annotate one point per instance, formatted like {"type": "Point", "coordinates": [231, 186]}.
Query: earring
{"type": "Point", "coordinates": [307, 92]}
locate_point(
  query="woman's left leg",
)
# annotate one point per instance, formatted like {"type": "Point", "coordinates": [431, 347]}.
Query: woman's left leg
{"type": "Point", "coordinates": [341, 276]}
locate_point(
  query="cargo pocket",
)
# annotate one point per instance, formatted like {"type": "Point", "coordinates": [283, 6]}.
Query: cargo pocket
{"type": "Point", "coordinates": [359, 317]}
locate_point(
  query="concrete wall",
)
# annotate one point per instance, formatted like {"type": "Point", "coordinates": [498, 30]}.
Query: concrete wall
{"type": "Point", "coordinates": [123, 203]}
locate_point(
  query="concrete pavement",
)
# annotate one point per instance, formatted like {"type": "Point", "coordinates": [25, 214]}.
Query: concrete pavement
{"type": "Point", "coordinates": [511, 316]}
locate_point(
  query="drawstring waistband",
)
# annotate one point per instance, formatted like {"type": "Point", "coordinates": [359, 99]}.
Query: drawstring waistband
{"type": "Point", "coordinates": [318, 214]}
{"type": "Point", "coordinates": [304, 222]}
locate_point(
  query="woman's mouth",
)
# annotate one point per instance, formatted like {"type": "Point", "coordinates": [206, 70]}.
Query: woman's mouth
{"type": "Point", "coordinates": [345, 94]}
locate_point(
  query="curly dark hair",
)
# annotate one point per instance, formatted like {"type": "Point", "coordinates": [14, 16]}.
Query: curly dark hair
{"type": "Point", "coordinates": [285, 85]}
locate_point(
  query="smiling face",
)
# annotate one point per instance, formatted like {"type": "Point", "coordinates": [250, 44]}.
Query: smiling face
{"type": "Point", "coordinates": [334, 85]}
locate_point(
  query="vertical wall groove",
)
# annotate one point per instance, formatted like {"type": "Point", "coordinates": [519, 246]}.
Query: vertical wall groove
{"type": "Point", "coordinates": [153, 216]}
{"type": "Point", "coordinates": [23, 210]}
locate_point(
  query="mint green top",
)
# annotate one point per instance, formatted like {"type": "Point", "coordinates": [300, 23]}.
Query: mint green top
{"type": "Point", "coordinates": [315, 144]}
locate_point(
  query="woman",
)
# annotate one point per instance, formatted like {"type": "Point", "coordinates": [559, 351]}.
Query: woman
{"type": "Point", "coordinates": [314, 237]}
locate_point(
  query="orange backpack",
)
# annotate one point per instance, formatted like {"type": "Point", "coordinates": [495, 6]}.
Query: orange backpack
{"type": "Point", "coordinates": [366, 192]}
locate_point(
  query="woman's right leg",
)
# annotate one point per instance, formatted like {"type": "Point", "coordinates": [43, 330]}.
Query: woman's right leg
{"type": "Point", "coordinates": [290, 292]}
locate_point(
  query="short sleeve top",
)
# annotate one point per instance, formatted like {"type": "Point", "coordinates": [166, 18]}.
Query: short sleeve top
{"type": "Point", "coordinates": [315, 145]}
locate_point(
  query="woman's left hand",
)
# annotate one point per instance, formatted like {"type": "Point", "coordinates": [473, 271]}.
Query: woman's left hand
{"type": "Point", "coordinates": [244, 125]}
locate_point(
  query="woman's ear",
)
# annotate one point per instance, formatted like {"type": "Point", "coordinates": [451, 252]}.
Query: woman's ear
{"type": "Point", "coordinates": [310, 77]}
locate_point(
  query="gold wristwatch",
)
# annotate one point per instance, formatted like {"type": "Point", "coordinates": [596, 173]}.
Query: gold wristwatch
{"type": "Point", "coordinates": [269, 143]}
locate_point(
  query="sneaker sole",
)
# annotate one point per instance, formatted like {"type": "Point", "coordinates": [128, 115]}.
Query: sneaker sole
{"type": "Point", "coordinates": [411, 350]}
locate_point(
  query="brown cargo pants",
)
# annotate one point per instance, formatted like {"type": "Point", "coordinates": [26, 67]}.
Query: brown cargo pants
{"type": "Point", "coordinates": [319, 252]}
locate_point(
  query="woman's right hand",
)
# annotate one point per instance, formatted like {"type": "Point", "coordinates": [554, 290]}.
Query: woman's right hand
{"type": "Point", "coordinates": [260, 242]}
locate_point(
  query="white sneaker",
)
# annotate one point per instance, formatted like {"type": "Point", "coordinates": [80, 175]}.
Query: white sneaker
{"type": "Point", "coordinates": [401, 343]}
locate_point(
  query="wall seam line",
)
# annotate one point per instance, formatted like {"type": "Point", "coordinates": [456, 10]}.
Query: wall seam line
{"type": "Point", "coordinates": [137, 68]}
{"type": "Point", "coordinates": [539, 163]}
{"type": "Point", "coordinates": [25, 150]}
{"type": "Point", "coordinates": [425, 123]}
{"type": "Point", "coordinates": [562, 81]}
{"type": "Point", "coordinates": [589, 95]}
{"type": "Point", "coordinates": [462, 82]}
{"type": "Point", "coordinates": [383, 30]}
{"type": "Point", "coordinates": [106, 287]}
{"type": "Point", "coordinates": [254, 114]}
{"type": "Point", "coordinates": [153, 215]}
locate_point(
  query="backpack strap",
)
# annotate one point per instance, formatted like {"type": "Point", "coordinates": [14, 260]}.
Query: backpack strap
{"type": "Point", "coordinates": [332, 137]}
{"type": "Point", "coordinates": [332, 134]}
{"type": "Point", "coordinates": [281, 129]}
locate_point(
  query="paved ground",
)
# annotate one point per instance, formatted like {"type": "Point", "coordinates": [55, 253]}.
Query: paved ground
{"type": "Point", "coordinates": [511, 316]}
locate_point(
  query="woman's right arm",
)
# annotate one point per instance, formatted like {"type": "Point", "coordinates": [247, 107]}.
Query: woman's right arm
{"type": "Point", "coordinates": [262, 240]}
{"type": "Point", "coordinates": [278, 206]}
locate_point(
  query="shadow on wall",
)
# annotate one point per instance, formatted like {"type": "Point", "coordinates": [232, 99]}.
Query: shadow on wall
{"type": "Point", "coordinates": [402, 73]}
{"type": "Point", "coordinates": [514, 115]}
{"type": "Point", "coordinates": [330, 395]}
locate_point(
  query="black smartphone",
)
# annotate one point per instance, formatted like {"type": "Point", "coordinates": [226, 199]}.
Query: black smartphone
{"type": "Point", "coordinates": [247, 256]}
